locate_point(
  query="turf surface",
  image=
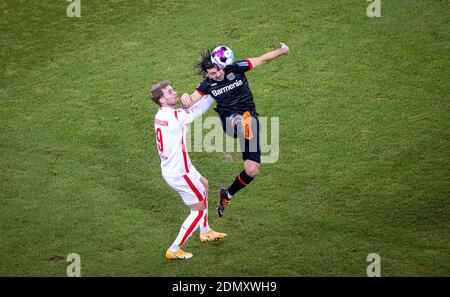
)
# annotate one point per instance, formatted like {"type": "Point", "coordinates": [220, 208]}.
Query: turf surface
{"type": "Point", "coordinates": [364, 144]}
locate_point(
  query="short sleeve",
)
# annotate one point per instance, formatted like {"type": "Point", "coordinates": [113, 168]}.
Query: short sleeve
{"type": "Point", "coordinates": [203, 88]}
{"type": "Point", "coordinates": [243, 65]}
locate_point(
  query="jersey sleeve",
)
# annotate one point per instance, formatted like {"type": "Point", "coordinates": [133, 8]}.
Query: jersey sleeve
{"type": "Point", "coordinates": [202, 106]}
{"type": "Point", "coordinates": [243, 65]}
{"type": "Point", "coordinates": [203, 88]}
{"type": "Point", "coordinates": [184, 116]}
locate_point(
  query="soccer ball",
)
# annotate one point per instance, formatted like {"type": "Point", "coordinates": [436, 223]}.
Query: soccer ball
{"type": "Point", "coordinates": [222, 56]}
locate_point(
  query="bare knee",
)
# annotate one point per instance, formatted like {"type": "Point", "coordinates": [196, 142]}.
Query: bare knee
{"type": "Point", "coordinates": [252, 169]}
{"type": "Point", "coordinates": [198, 206]}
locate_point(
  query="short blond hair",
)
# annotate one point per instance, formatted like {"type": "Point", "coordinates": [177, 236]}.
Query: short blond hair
{"type": "Point", "coordinates": [156, 92]}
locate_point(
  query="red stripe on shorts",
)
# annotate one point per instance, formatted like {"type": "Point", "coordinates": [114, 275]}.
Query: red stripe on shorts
{"type": "Point", "coordinates": [193, 188]}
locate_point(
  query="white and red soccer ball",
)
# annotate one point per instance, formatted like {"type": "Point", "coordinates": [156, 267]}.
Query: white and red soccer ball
{"type": "Point", "coordinates": [222, 56]}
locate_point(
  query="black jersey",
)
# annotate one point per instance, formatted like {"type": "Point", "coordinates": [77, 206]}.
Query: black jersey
{"type": "Point", "coordinates": [233, 94]}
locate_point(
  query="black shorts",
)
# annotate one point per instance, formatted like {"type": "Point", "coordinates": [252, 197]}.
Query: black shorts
{"type": "Point", "coordinates": [250, 148]}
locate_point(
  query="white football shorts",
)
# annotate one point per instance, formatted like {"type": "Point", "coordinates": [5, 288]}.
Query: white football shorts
{"type": "Point", "coordinates": [188, 186]}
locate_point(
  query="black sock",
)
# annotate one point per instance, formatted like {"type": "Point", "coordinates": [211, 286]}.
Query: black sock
{"type": "Point", "coordinates": [242, 179]}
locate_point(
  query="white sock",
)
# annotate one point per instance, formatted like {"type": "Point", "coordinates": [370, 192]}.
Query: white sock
{"type": "Point", "coordinates": [187, 228]}
{"type": "Point", "coordinates": [204, 225]}
{"type": "Point", "coordinates": [174, 248]}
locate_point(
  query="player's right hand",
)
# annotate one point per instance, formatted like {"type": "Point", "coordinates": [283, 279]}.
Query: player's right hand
{"type": "Point", "coordinates": [186, 100]}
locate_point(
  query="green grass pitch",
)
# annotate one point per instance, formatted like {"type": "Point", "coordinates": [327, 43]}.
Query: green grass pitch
{"type": "Point", "coordinates": [364, 158]}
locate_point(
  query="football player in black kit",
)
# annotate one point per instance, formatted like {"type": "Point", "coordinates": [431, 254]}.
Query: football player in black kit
{"type": "Point", "coordinates": [236, 108]}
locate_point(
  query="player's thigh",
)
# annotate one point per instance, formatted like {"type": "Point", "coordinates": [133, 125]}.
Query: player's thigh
{"type": "Point", "coordinates": [199, 182]}
{"type": "Point", "coordinates": [189, 187]}
{"type": "Point", "coordinates": [229, 125]}
{"type": "Point", "coordinates": [251, 149]}
{"type": "Point", "coordinates": [197, 177]}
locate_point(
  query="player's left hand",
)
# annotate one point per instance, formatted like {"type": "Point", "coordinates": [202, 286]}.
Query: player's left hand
{"type": "Point", "coordinates": [284, 48]}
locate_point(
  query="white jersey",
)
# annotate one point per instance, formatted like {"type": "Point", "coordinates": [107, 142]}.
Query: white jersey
{"type": "Point", "coordinates": [171, 127]}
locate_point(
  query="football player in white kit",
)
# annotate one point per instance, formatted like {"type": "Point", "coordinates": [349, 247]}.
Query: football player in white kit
{"type": "Point", "coordinates": [171, 126]}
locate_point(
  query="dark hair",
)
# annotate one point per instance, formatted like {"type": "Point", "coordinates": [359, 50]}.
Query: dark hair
{"type": "Point", "coordinates": [156, 91]}
{"type": "Point", "coordinates": [205, 62]}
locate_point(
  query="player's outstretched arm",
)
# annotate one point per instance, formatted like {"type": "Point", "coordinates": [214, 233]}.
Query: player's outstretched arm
{"type": "Point", "coordinates": [267, 57]}
{"type": "Point", "coordinates": [201, 106]}
{"type": "Point", "coordinates": [187, 116]}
